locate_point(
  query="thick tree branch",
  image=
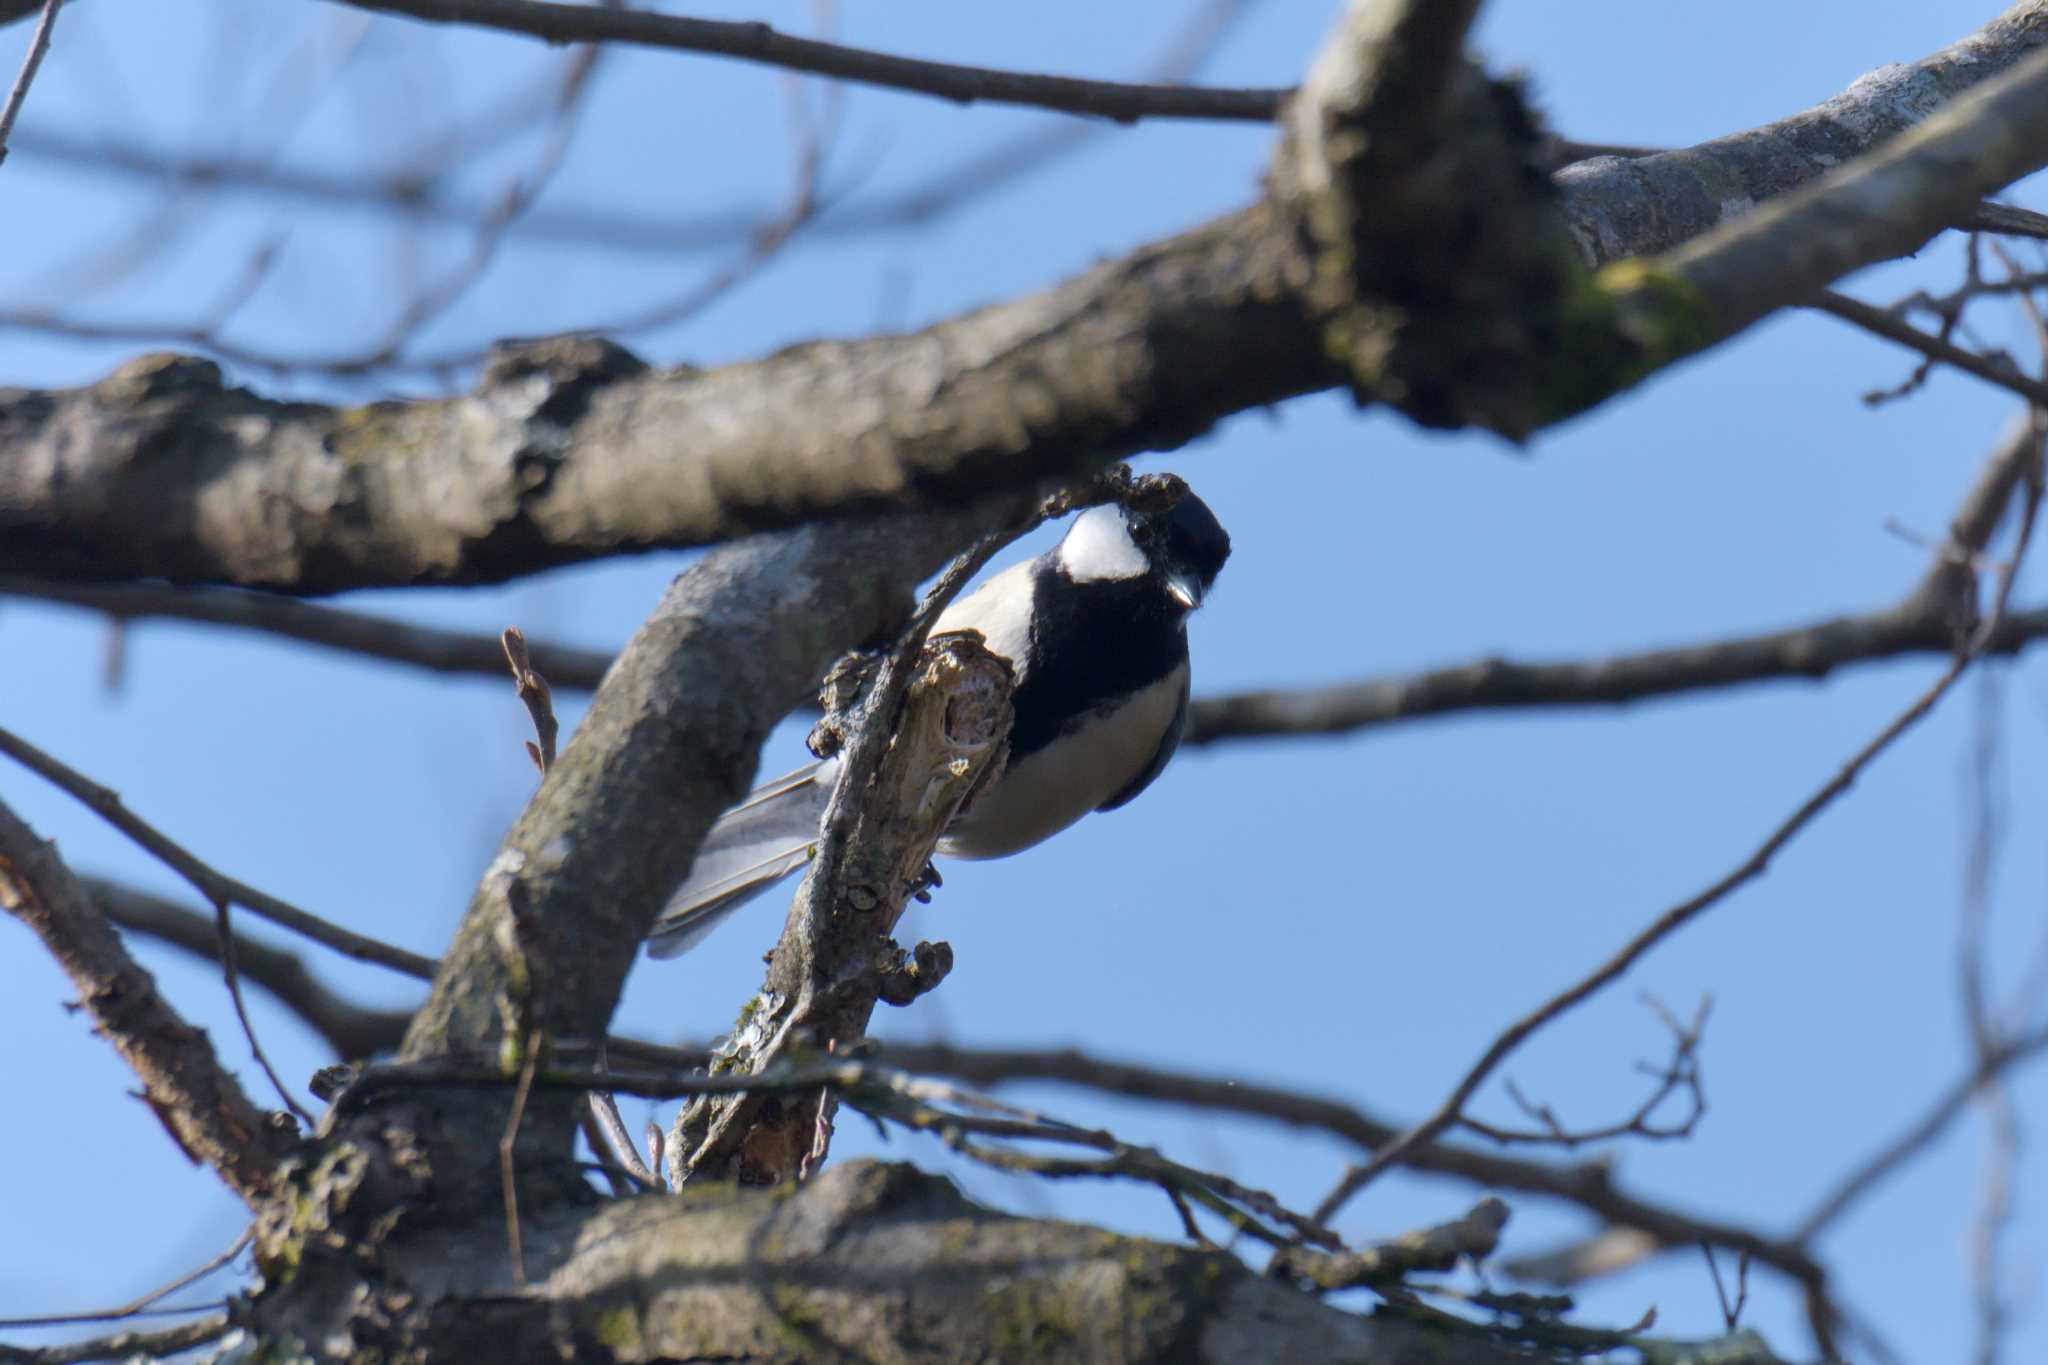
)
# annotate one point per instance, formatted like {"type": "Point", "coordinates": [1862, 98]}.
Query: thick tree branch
{"type": "Point", "coordinates": [1883, 205]}
{"type": "Point", "coordinates": [569, 449]}
{"type": "Point", "coordinates": [1635, 1226]}
{"type": "Point", "coordinates": [199, 1102]}
{"type": "Point", "coordinates": [864, 1262]}
{"type": "Point", "coordinates": [757, 42]}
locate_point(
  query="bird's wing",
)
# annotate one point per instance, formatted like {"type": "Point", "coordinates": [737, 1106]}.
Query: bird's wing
{"type": "Point", "coordinates": [754, 845]}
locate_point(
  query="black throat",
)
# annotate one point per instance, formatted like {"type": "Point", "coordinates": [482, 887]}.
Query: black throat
{"type": "Point", "coordinates": [1093, 644]}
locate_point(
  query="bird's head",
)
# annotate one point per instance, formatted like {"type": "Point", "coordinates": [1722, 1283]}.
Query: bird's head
{"type": "Point", "coordinates": [1174, 539]}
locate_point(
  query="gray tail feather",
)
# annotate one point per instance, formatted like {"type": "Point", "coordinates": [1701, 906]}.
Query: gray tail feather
{"type": "Point", "coordinates": [754, 845]}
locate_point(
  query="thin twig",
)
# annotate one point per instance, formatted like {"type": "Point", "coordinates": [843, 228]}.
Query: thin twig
{"type": "Point", "coordinates": [214, 886]}
{"type": "Point", "coordinates": [1669, 922]}
{"type": "Point", "coordinates": [1680, 1075]}
{"type": "Point", "coordinates": [1919, 1135]}
{"type": "Point", "coordinates": [158, 1345]}
{"type": "Point", "coordinates": [31, 62]}
{"type": "Point", "coordinates": [1879, 322]}
{"type": "Point", "coordinates": [1731, 1311]}
{"type": "Point", "coordinates": [756, 42]}
{"type": "Point", "coordinates": [350, 1029]}
{"type": "Point", "coordinates": [137, 1305]}
{"type": "Point", "coordinates": [224, 936]}
{"type": "Point", "coordinates": [507, 1168]}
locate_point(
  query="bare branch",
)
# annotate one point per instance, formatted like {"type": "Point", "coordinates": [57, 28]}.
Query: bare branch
{"type": "Point", "coordinates": [560, 456]}
{"type": "Point", "coordinates": [159, 1344]}
{"type": "Point", "coordinates": [352, 1030]}
{"type": "Point", "coordinates": [425, 195]}
{"type": "Point", "coordinates": [2024, 452]}
{"type": "Point", "coordinates": [1641, 205]}
{"type": "Point", "coordinates": [136, 1306]}
{"type": "Point", "coordinates": [1884, 204]}
{"type": "Point", "coordinates": [216, 887]}
{"type": "Point", "coordinates": [1921, 1134]}
{"type": "Point", "coordinates": [1878, 322]}
{"type": "Point", "coordinates": [32, 60]}
{"type": "Point", "coordinates": [756, 42]}
{"type": "Point", "coordinates": [198, 1101]}
{"type": "Point", "coordinates": [1808, 652]}
{"type": "Point", "coordinates": [1679, 1076]}
{"type": "Point", "coordinates": [353, 632]}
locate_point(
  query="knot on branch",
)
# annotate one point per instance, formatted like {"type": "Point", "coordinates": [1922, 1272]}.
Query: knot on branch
{"type": "Point", "coordinates": [915, 973]}
{"type": "Point", "coordinates": [1439, 268]}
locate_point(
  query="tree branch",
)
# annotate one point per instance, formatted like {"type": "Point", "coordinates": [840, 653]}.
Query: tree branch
{"type": "Point", "coordinates": [1810, 652]}
{"type": "Point", "coordinates": [563, 451]}
{"type": "Point", "coordinates": [756, 42]}
{"type": "Point", "coordinates": [1637, 206]}
{"type": "Point", "coordinates": [2017, 460]}
{"type": "Point", "coordinates": [217, 887]}
{"type": "Point", "coordinates": [352, 1030]}
{"type": "Point", "coordinates": [199, 1102]}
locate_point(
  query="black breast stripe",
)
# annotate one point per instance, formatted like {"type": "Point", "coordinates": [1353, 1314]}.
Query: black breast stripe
{"type": "Point", "coordinates": [1093, 643]}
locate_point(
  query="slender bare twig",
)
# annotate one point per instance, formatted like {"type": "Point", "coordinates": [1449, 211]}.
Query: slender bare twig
{"type": "Point", "coordinates": [1881, 323]}
{"type": "Point", "coordinates": [1731, 1310]}
{"type": "Point", "coordinates": [1679, 1076]}
{"type": "Point", "coordinates": [353, 632]}
{"type": "Point", "coordinates": [1919, 1135]}
{"type": "Point", "coordinates": [2022, 452]}
{"type": "Point", "coordinates": [353, 1031]}
{"type": "Point", "coordinates": [224, 935]}
{"type": "Point", "coordinates": [137, 1305]}
{"type": "Point", "coordinates": [507, 1148]}
{"type": "Point", "coordinates": [31, 62]}
{"type": "Point", "coordinates": [129, 1345]}
{"type": "Point", "coordinates": [214, 886]}
{"type": "Point", "coordinates": [1659, 929]}
{"type": "Point", "coordinates": [756, 42]}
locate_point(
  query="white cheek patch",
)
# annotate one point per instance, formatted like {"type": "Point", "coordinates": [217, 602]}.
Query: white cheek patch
{"type": "Point", "coordinates": [1099, 546]}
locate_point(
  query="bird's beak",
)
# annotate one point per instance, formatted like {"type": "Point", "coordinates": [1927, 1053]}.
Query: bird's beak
{"type": "Point", "coordinates": [1184, 589]}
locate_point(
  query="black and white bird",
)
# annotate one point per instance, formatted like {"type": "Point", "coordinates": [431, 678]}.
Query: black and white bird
{"type": "Point", "coordinates": [1096, 631]}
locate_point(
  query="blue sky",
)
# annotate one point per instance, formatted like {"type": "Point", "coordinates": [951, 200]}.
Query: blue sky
{"type": "Point", "coordinates": [1355, 917]}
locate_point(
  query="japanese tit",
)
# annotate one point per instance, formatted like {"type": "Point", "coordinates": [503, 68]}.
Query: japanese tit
{"type": "Point", "coordinates": [1096, 631]}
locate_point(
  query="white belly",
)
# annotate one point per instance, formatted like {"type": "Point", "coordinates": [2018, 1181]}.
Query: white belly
{"type": "Point", "coordinates": [1046, 791]}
